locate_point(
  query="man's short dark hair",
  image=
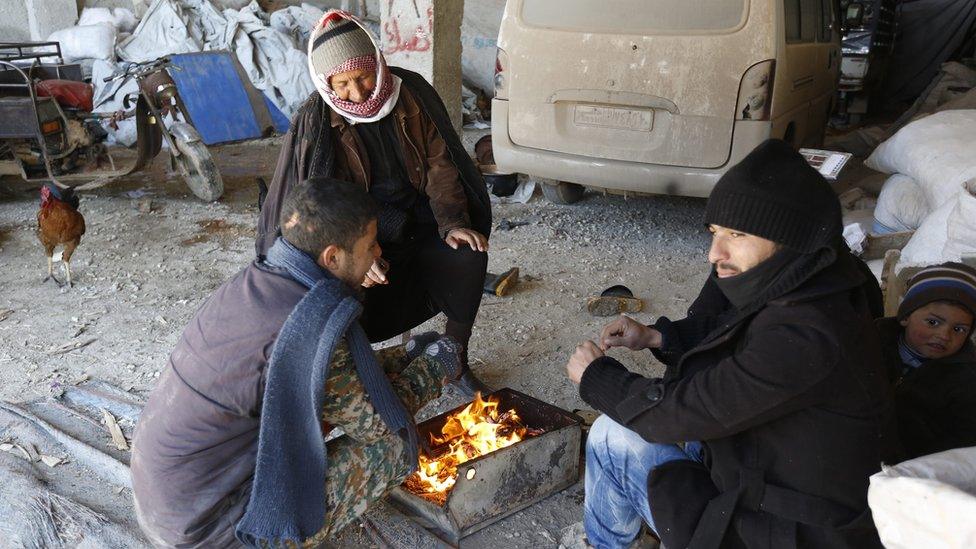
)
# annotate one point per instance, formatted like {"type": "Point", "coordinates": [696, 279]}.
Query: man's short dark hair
{"type": "Point", "coordinates": [322, 211]}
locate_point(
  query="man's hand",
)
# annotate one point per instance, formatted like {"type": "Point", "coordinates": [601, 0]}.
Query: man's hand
{"type": "Point", "coordinates": [627, 332]}
{"type": "Point", "coordinates": [585, 353]}
{"type": "Point", "coordinates": [376, 274]}
{"type": "Point", "coordinates": [472, 238]}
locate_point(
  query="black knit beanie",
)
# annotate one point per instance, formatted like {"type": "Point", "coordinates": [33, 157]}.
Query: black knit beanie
{"type": "Point", "coordinates": [774, 194]}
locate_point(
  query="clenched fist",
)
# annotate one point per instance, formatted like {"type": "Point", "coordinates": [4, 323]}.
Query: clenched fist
{"type": "Point", "coordinates": [627, 332]}
{"type": "Point", "coordinates": [585, 353]}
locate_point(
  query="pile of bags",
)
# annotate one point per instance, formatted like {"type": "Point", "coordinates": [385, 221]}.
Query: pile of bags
{"type": "Point", "coordinates": [932, 188]}
{"type": "Point", "coordinates": [271, 49]}
{"type": "Point", "coordinates": [95, 35]}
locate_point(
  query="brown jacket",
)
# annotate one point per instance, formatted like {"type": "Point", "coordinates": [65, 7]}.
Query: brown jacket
{"type": "Point", "coordinates": [439, 164]}
{"type": "Point", "coordinates": [425, 158]}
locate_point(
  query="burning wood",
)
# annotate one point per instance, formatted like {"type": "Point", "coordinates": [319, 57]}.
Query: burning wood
{"type": "Point", "coordinates": [476, 430]}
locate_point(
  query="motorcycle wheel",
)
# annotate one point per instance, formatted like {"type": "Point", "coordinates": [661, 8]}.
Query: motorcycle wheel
{"type": "Point", "coordinates": [198, 169]}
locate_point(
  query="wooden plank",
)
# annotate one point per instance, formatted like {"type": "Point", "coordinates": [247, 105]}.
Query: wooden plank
{"type": "Point", "coordinates": [890, 285]}
{"type": "Point", "coordinates": [876, 245]}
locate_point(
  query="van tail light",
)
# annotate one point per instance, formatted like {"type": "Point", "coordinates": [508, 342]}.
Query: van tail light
{"type": "Point", "coordinates": [756, 92]}
{"type": "Point", "coordinates": [501, 75]}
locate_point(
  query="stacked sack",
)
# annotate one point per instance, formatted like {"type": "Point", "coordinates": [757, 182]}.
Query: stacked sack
{"type": "Point", "coordinates": [933, 186]}
{"type": "Point", "coordinates": [95, 35]}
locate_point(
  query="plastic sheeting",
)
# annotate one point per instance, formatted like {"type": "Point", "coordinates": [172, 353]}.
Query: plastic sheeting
{"type": "Point", "coordinates": [269, 57]}
{"type": "Point", "coordinates": [927, 502]}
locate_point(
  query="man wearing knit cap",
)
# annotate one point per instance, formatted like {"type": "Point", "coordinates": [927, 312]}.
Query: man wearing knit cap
{"type": "Point", "coordinates": [386, 130]}
{"type": "Point", "coordinates": [931, 361]}
{"type": "Point", "coordinates": [765, 426]}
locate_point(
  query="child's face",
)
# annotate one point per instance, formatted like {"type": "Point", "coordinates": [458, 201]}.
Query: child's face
{"type": "Point", "coordinates": [938, 330]}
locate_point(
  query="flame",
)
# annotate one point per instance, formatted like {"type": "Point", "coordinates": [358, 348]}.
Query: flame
{"type": "Point", "coordinates": [476, 430]}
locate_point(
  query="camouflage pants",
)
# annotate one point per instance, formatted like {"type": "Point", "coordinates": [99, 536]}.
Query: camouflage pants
{"type": "Point", "coordinates": [369, 459]}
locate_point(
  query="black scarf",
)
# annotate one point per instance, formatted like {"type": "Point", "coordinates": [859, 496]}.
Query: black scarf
{"type": "Point", "coordinates": [781, 273]}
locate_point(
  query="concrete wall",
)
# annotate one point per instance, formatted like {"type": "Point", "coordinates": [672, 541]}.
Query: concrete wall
{"type": "Point", "coordinates": [35, 19]}
{"type": "Point", "coordinates": [425, 36]}
{"type": "Point", "coordinates": [13, 21]}
{"type": "Point", "coordinates": [479, 34]}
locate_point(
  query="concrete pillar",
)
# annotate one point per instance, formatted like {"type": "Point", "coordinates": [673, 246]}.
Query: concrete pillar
{"type": "Point", "coordinates": [425, 36]}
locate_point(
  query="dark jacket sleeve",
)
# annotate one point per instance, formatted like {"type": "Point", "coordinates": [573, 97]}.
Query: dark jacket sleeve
{"type": "Point", "coordinates": [679, 336]}
{"type": "Point", "coordinates": [771, 376]}
{"type": "Point", "coordinates": [447, 198]}
{"type": "Point", "coordinates": [291, 169]}
{"type": "Point", "coordinates": [941, 415]}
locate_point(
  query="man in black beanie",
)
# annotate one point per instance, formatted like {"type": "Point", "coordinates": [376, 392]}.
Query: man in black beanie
{"type": "Point", "coordinates": [767, 423]}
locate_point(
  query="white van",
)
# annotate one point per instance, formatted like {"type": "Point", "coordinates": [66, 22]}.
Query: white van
{"type": "Point", "coordinates": [657, 96]}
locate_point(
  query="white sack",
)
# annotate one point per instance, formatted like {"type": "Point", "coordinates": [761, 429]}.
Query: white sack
{"type": "Point", "coordinates": [121, 18]}
{"type": "Point", "coordinates": [927, 502]}
{"type": "Point", "coordinates": [125, 20]}
{"type": "Point", "coordinates": [938, 152]}
{"type": "Point", "coordinates": [901, 206]}
{"type": "Point", "coordinates": [86, 42]}
{"type": "Point", "coordinates": [94, 16]}
{"type": "Point", "coordinates": [947, 234]}
{"type": "Point", "coordinates": [108, 98]}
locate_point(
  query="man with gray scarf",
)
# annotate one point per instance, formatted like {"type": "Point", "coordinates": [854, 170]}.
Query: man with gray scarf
{"type": "Point", "coordinates": [230, 447]}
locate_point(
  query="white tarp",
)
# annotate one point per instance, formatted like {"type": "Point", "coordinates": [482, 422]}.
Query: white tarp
{"type": "Point", "coordinates": [297, 22]}
{"type": "Point", "coordinates": [270, 58]}
{"type": "Point", "coordinates": [927, 502]}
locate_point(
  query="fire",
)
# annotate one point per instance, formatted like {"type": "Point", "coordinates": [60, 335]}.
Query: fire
{"type": "Point", "coordinates": [476, 430]}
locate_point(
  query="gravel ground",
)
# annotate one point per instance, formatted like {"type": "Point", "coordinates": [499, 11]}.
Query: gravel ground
{"type": "Point", "coordinates": [139, 276]}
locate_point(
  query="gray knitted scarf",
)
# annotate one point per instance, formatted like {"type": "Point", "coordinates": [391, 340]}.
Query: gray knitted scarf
{"type": "Point", "coordinates": [287, 501]}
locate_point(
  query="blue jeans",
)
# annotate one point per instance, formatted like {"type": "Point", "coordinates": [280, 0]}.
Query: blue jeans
{"type": "Point", "coordinates": [618, 462]}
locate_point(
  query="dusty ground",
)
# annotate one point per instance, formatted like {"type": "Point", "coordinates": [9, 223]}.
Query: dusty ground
{"type": "Point", "coordinates": [140, 276]}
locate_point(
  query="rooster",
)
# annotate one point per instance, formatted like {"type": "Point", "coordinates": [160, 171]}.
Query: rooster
{"type": "Point", "coordinates": [59, 222]}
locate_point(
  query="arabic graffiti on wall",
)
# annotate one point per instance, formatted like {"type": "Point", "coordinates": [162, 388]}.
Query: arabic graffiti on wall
{"type": "Point", "coordinates": [408, 32]}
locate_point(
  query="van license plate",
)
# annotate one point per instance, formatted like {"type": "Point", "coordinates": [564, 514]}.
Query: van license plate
{"type": "Point", "coordinates": [610, 117]}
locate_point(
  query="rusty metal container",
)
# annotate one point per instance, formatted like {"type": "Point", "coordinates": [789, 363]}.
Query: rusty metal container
{"type": "Point", "coordinates": [494, 486]}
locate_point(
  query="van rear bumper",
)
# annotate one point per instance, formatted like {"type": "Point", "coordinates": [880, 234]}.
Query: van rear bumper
{"type": "Point", "coordinates": [617, 174]}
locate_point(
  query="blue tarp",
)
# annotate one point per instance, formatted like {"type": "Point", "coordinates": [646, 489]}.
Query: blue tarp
{"type": "Point", "coordinates": [217, 100]}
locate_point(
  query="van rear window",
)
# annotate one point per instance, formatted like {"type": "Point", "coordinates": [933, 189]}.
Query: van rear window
{"type": "Point", "coordinates": [634, 16]}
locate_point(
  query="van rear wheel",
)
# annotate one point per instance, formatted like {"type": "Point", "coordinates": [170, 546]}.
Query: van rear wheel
{"type": "Point", "coordinates": [563, 192]}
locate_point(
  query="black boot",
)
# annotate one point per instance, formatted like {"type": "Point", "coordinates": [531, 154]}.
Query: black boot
{"type": "Point", "coordinates": [468, 383]}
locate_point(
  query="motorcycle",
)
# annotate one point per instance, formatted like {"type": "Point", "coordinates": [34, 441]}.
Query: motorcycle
{"type": "Point", "coordinates": [49, 132]}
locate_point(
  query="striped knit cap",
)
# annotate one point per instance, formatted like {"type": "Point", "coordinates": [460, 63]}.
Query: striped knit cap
{"type": "Point", "coordinates": [338, 43]}
{"type": "Point", "coordinates": [945, 282]}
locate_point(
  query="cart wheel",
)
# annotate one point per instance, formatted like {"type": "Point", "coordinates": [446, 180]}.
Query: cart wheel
{"type": "Point", "coordinates": [198, 169]}
{"type": "Point", "coordinates": [563, 192]}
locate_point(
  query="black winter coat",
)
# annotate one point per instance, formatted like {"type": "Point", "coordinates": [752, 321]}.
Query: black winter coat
{"type": "Point", "coordinates": [935, 403]}
{"type": "Point", "coordinates": [788, 403]}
